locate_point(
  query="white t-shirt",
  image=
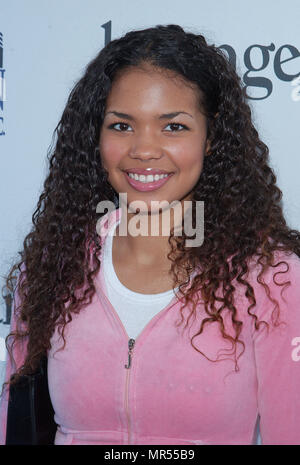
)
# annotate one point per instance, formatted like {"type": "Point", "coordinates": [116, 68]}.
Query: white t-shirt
{"type": "Point", "coordinates": [134, 309]}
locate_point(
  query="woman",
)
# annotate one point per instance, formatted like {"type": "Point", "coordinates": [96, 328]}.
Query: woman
{"type": "Point", "coordinates": [133, 344]}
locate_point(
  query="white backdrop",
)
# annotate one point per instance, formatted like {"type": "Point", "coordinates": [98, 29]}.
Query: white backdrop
{"type": "Point", "coordinates": [46, 44]}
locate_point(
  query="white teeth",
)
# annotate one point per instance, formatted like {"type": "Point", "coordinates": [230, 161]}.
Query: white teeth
{"type": "Point", "coordinates": [148, 178]}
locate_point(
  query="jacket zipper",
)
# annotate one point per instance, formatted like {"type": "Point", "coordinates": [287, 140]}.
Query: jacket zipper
{"type": "Point", "coordinates": [130, 349]}
{"type": "Point", "coordinates": [131, 343]}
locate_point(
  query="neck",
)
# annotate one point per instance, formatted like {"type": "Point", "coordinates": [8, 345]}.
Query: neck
{"type": "Point", "coordinates": [144, 236]}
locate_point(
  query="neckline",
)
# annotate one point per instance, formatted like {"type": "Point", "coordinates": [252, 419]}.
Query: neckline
{"type": "Point", "coordinates": [116, 283]}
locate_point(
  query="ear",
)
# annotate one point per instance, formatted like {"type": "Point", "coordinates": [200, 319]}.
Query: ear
{"type": "Point", "coordinates": [207, 148]}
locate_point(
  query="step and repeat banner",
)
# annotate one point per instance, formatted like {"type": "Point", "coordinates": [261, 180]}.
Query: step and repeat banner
{"type": "Point", "coordinates": [46, 44]}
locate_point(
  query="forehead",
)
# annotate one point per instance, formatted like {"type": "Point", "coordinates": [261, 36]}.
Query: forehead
{"type": "Point", "coordinates": [149, 85]}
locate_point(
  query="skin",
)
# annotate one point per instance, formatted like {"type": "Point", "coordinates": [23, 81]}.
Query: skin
{"type": "Point", "coordinates": [176, 144]}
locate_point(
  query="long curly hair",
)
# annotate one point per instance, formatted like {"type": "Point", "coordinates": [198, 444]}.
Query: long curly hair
{"type": "Point", "coordinates": [243, 211]}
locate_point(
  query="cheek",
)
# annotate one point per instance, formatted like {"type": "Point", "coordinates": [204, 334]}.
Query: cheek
{"type": "Point", "coordinates": [111, 151]}
{"type": "Point", "coordinates": [189, 155]}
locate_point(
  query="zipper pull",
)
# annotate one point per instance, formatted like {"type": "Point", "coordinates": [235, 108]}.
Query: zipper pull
{"type": "Point", "coordinates": [130, 349]}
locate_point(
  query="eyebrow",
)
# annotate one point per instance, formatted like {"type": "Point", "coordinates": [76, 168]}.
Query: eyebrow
{"type": "Point", "coordinates": [163, 116]}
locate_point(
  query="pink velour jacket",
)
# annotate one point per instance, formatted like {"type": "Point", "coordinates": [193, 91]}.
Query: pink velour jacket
{"type": "Point", "coordinates": [171, 393]}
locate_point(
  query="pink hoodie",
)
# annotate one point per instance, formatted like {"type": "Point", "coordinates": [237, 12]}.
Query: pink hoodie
{"type": "Point", "coordinates": [171, 394]}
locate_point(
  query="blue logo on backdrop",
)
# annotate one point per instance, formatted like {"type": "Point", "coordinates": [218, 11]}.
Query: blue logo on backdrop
{"type": "Point", "coordinates": [8, 307]}
{"type": "Point", "coordinates": [285, 53]}
{"type": "Point", "coordinates": [265, 53]}
{"type": "Point", "coordinates": [2, 86]}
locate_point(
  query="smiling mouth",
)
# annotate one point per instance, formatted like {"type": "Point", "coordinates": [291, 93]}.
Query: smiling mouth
{"type": "Point", "coordinates": [147, 182]}
{"type": "Point", "coordinates": [145, 178]}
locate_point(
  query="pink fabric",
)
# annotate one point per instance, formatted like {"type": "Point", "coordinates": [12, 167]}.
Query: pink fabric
{"type": "Point", "coordinates": [172, 394]}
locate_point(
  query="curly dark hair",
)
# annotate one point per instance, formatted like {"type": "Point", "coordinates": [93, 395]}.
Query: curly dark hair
{"type": "Point", "coordinates": [243, 212]}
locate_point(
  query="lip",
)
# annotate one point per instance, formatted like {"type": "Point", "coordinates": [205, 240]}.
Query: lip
{"type": "Point", "coordinates": [149, 186]}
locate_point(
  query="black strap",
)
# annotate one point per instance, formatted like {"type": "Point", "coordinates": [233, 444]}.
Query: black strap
{"type": "Point", "coordinates": [30, 414]}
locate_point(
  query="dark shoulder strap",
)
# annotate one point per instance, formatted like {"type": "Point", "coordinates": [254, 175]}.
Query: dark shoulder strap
{"type": "Point", "coordinates": [30, 414]}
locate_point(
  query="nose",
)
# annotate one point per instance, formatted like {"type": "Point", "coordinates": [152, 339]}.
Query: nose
{"type": "Point", "coordinates": [145, 146]}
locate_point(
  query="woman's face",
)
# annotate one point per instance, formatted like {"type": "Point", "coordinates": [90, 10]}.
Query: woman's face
{"type": "Point", "coordinates": [152, 123]}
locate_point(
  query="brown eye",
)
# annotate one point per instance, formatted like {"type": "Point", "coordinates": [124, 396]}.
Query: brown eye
{"type": "Point", "coordinates": [123, 126]}
{"type": "Point", "coordinates": [175, 125]}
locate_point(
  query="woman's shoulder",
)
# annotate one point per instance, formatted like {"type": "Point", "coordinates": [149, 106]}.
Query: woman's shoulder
{"type": "Point", "coordinates": [278, 287]}
{"type": "Point", "coordinates": [284, 263]}
{"type": "Point", "coordinates": [261, 283]}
